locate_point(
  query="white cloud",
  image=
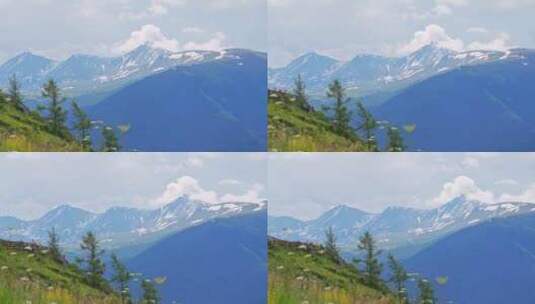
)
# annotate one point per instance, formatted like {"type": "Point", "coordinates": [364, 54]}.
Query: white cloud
{"type": "Point", "coordinates": [148, 34]}
{"type": "Point", "coordinates": [229, 182]}
{"type": "Point", "coordinates": [470, 162]}
{"type": "Point", "coordinates": [507, 181]}
{"type": "Point", "coordinates": [462, 185]}
{"type": "Point", "coordinates": [527, 196]}
{"type": "Point", "coordinates": [435, 34]}
{"type": "Point", "coordinates": [161, 7]}
{"type": "Point", "coordinates": [432, 34]}
{"type": "Point", "coordinates": [477, 29]}
{"type": "Point", "coordinates": [500, 43]}
{"type": "Point", "coordinates": [186, 186]}
{"type": "Point", "coordinates": [152, 35]}
{"type": "Point", "coordinates": [189, 186]}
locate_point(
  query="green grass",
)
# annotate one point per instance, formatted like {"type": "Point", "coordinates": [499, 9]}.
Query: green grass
{"type": "Point", "coordinates": [303, 273]}
{"type": "Point", "coordinates": [33, 276]}
{"type": "Point", "coordinates": [291, 128]}
{"type": "Point", "coordinates": [26, 132]}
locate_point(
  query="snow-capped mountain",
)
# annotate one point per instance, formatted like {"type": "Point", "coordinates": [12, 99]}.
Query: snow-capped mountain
{"type": "Point", "coordinates": [119, 226]}
{"type": "Point", "coordinates": [366, 74]}
{"type": "Point", "coordinates": [80, 74]}
{"type": "Point", "coordinates": [395, 226]}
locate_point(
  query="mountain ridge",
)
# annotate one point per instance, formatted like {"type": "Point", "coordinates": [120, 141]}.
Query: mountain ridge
{"type": "Point", "coordinates": [395, 226]}
{"type": "Point", "coordinates": [120, 226]}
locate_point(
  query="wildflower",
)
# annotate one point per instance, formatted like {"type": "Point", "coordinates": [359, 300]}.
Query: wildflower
{"type": "Point", "coordinates": [13, 253]}
{"type": "Point", "coordinates": [28, 248]}
{"type": "Point", "coordinates": [31, 255]}
{"type": "Point", "coordinates": [306, 270]}
{"type": "Point", "coordinates": [280, 267]}
{"type": "Point", "coordinates": [321, 251]}
{"type": "Point", "coordinates": [300, 278]}
{"type": "Point", "coordinates": [308, 256]}
{"type": "Point", "coordinates": [28, 270]}
{"type": "Point", "coordinates": [3, 268]}
{"type": "Point", "coordinates": [304, 247]}
{"type": "Point", "coordinates": [291, 253]}
{"type": "Point", "coordinates": [24, 279]}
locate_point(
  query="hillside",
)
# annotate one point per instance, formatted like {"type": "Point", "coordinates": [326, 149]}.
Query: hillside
{"type": "Point", "coordinates": [214, 106]}
{"type": "Point", "coordinates": [485, 107]}
{"type": "Point", "coordinates": [26, 132]}
{"type": "Point", "coordinates": [290, 128]}
{"type": "Point", "coordinates": [303, 273]}
{"type": "Point", "coordinates": [221, 261]}
{"type": "Point", "coordinates": [490, 263]}
{"type": "Point", "coordinates": [28, 274]}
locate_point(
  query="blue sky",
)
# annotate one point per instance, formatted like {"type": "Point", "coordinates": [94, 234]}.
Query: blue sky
{"type": "Point", "coordinates": [58, 28]}
{"type": "Point", "coordinates": [344, 28]}
{"type": "Point", "coordinates": [33, 183]}
{"type": "Point", "coordinates": [306, 185]}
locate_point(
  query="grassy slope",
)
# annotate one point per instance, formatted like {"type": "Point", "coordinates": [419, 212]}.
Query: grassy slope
{"type": "Point", "coordinates": [303, 273]}
{"type": "Point", "coordinates": [32, 276]}
{"type": "Point", "coordinates": [292, 129]}
{"type": "Point", "coordinates": [24, 132]}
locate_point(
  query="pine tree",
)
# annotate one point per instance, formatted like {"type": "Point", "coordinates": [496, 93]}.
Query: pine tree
{"type": "Point", "coordinates": [330, 244]}
{"type": "Point", "coordinates": [368, 125]}
{"type": "Point", "coordinates": [94, 266]}
{"type": "Point", "coordinates": [395, 141]}
{"type": "Point", "coordinates": [111, 143]}
{"type": "Point", "coordinates": [56, 114]}
{"type": "Point", "coordinates": [300, 94]}
{"type": "Point", "coordinates": [150, 294]}
{"type": "Point", "coordinates": [53, 246]}
{"type": "Point", "coordinates": [427, 295]}
{"type": "Point", "coordinates": [372, 267]}
{"type": "Point", "coordinates": [14, 94]}
{"type": "Point", "coordinates": [342, 116]}
{"type": "Point", "coordinates": [399, 277]}
{"type": "Point", "coordinates": [122, 278]}
{"type": "Point", "coordinates": [82, 125]}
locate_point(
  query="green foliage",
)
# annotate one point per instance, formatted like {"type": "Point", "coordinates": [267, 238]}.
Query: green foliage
{"type": "Point", "coordinates": [53, 246]}
{"type": "Point", "coordinates": [92, 263]}
{"type": "Point", "coordinates": [35, 276]}
{"type": "Point", "coordinates": [395, 141]}
{"type": "Point", "coordinates": [367, 125]}
{"type": "Point", "coordinates": [111, 143]}
{"type": "Point", "coordinates": [82, 126]}
{"type": "Point", "coordinates": [150, 294]}
{"type": "Point", "coordinates": [14, 95]}
{"type": "Point", "coordinates": [300, 94]}
{"type": "Point", "coordinates": [305, 273]}
{"type": "Point", "coordinates": [330, 244]}
{"type": "Point", "coordinates": [372, 267]}
{"type": "Point", "coordinates": [399, 278]}
{"type": "Point", "coordinates": [342, 116]}
{"type": "Point", "coordinates": [57, 115]}
{"type": "Point", "coordinates": [290, 128]}
{"type": "Point", "coordinates": [121, 278]}
{"type": "Point", "coordinates": [427, 294]}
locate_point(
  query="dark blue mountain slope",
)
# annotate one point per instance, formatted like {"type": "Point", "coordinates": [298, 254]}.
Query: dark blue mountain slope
{"type": "Point", "coordinates": [214, 106]}
{"type": "Point", "coordinates": [486, 107]}
{"type": "Point", "coordinates": [493, 262]}
{"type": "Point", "coordinates": [222, 261]}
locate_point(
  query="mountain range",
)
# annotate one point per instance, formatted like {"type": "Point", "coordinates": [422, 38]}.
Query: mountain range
{"type": "Point", "coordinates": [368, 74]}
{"type": "Point", "coordinates": [119, 226]}
{"type": "Point", "coordinates": [395, 227]}
{"type": "Point", "coordinates": [80, 74]}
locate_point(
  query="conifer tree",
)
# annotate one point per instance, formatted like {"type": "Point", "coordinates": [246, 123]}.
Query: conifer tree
{"type": "Point", "coordinates": [399, 277]}
{"type": "Point", "coordinates": [395, 141]}
{"type": "Point", "coordinates": [94, 266]}
{"type": "Point", "coordinates": [14, 94]}
{"type": "Point", "coordinates": [330, 244]}
{"type": "Point", "coordinates": [427, 294]}
{"type": "Point", "coordinates": [372, 266]}
{"type": "Point", "coordinates": [82, 125]}
{"type": "Point", "coordinates": [122, 278]}
{"type": "Point", "coordinates": [53, 246]}
{"type": "Point", "coordinates": [342, 116]}
{"type": "Point", "coordinates": [56, 114]}
{"type": "Point", "coordinates": [111, 142]}
{"type": "Point", "coordinates": [368, 125]}
{"type": "Point", "coordinates": [300, 94]}
{"type": "Point", "coordinates": [150, 294]}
